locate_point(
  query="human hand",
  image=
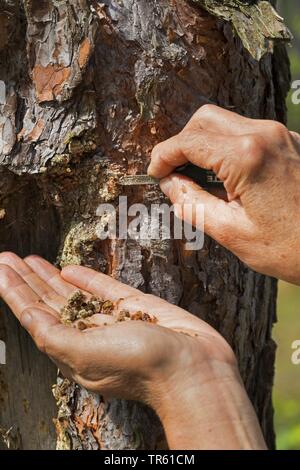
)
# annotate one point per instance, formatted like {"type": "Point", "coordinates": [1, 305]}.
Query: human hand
{"type": "Point", "coordinates": [259, 163]}
{"type": "Point", "coordinates": [180, 358]}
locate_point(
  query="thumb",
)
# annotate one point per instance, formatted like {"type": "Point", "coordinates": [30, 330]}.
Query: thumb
{"type": "Point", "coordinates": [218, 218]}
{"type": "Point", "coordinates": [51, 337]}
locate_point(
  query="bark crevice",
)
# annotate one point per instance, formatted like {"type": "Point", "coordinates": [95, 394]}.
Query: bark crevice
{"type": "Point", "coordinates": [98, 86]}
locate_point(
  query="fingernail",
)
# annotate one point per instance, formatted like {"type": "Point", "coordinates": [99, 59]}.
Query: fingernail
{"type": "Point", "coordinates": [26, 320]}
{"type": "Point", "coordinates": [165, 186]}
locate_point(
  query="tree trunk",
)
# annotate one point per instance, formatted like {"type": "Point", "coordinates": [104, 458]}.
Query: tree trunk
{"type": "Point", "coordinates": [86, 89]}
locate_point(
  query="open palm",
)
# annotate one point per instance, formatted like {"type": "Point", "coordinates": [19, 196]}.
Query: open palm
{"type": "Point", "coordinates": [122, 360]}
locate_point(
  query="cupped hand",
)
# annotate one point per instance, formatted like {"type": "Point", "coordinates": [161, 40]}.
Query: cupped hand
{"type": "Point", "coordinates": [125, 359]}
{"type": "Point", "coordinates": [179, 360]}
{"type": "Point", "coordinates": [259, 163]}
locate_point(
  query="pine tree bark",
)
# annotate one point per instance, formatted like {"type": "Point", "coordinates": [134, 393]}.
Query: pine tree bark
{"type": "Point", "coordinates": [86, 90]}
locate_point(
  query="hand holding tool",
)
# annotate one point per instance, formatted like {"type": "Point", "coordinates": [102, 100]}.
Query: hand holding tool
{"type": "Point", "coordinates": [204, 178]}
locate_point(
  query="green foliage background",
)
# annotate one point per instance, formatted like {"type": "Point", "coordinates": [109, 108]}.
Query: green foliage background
{"type": "Point", "coordinates": [287, 330]}
{"type": "Point", "coordinates": [290, 10]}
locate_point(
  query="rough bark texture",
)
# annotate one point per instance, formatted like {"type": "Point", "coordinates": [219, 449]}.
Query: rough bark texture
{"type": "Point", "coordinates": [86, 89]}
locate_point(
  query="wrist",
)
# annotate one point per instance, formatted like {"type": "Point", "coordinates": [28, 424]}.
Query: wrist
{"type": "Point", "coordinates": [207, 407]}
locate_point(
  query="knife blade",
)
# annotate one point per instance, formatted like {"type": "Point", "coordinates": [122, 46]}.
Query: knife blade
{"type": "Point", "coordinates": [207, 179]}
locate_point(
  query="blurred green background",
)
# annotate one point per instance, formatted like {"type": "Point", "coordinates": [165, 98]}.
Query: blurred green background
{"type": "Point", "coordinates": [287, 379]}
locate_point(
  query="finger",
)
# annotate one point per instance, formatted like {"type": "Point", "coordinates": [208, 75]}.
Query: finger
{"type": "Point", "coordinates": [166, 156]}
{"type": "Point", "coordinates": [52, 337]}
{"type": "Point", "coordinates": [51, 275]}
{"type": "Point", "coordinates": [219, 120]}
{"type": "Point", "coordinates": [202, 148]}
{"type": "Point", "coordinates": [168, 316]}
{"type": "Point", "coordinates": [15, 262]}
{"type": "Point", "coordinates": [84, 356]}
{"type": "Point", "coordinates": [125, 297]}
{"type": "Point", "coordinates": [17, 293]}
{"type": "Point", "coordinates": [41, 288]}
{"type": "Point", "coordinates": [75, 352]}
{"type": "Point", "coordinates": [201, 209]}
{"type": "Point", "coordinates": [296, 139]}
{"type": "Point", "coordinates": [97, 283]}
{"type": "Point", "coordinates": [130, 299]}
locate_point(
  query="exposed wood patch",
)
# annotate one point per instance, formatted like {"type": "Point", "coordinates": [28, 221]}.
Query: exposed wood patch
{"type": "Point", "coordinates": [36, 132]}
{"type": "Point", "coordinates": [49, 81]}
{"type": "Point", "coordinates": [84, 53]}
{"type": "Point", "coordinates": [155, 63]}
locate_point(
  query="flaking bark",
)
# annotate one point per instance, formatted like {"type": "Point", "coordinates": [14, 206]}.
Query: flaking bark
{"type": "Point", "coordinates": [90, 87]}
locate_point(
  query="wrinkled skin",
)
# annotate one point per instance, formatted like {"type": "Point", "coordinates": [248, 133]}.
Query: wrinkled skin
{"type": "Point", "coordinates": [180, 358]}
{"type": "Point", "coordinates": [36, 291]}
{"type": "Point", "coordinates": [259, 163]}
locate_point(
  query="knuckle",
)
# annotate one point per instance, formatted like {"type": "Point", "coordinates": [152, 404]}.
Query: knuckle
{"type": "Point", "coordinates": [177, 193]}
{"type": "Point", "coordinates": [205, 112]}
{"type": "Point", "coordinates": [253, 148]}
{"type": "Point", "coordinates": [157, 151]}
{"type": "Point", "coordinates": [252, 144]}
{"type": "Point", "coordinates": [278, 130]}
{"type": "Point", "coordinates": [31, 258]}
{"type": "Point", "coordinates": [41, 341]}
{"type": "Point", "coordinates": [6, 275]}
{"type": "Point", "coordinates": [8, 257]}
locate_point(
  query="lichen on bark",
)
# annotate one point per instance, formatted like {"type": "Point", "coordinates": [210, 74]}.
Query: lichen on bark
{"type": "Point", "coordinates": [141, 68]}
{"type": "Point", "coordinates": [256, 22]}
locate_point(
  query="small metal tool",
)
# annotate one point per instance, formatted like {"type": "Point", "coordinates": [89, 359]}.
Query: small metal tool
{"type": "Point", "coordinates": [204, 178]}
